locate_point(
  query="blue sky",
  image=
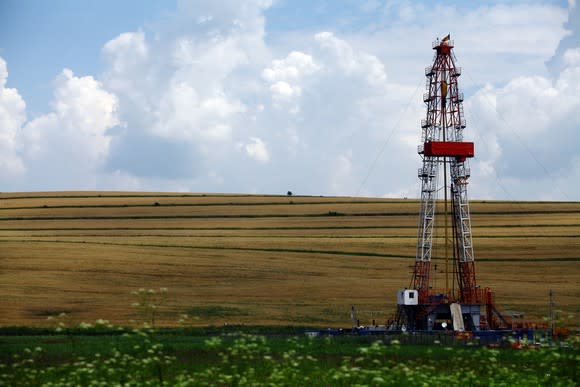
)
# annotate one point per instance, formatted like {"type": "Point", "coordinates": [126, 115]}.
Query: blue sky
{"type": "Point", "coordinates": [40, 38]}
{"type": "Point", "coordinates": [265, 97]}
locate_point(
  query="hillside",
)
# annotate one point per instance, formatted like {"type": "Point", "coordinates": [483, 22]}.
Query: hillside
{"type": "Point", "coordinates": [261, 259]}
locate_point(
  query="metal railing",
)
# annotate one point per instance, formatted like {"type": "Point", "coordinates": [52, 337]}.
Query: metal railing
{"type": "Point", "coordinates": [437, 43]}
{"type": "Point", "coordinates": [461, 172]}
{"type": "Point", "coordinates": [429, 187]}
{"type": "Point", "coordinates": [476, 295]}
{"type": "Point", "coordinates": [427, 171]}
{"type": "Point", "coordinates": [461, 124]}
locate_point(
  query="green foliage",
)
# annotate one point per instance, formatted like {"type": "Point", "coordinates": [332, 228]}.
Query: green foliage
{"type": "Point", "coordinates": [100, 354]}
{"type": "Point", "coordinates": [147, 304]}
{"type": "Point", "coordinates": [145, 357]}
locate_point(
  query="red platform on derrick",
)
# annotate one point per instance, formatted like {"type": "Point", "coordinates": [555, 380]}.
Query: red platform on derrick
{"type": "Point", "coordinates": [449, 149]}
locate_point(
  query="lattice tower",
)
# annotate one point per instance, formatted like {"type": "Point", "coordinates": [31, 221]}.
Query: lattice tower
{"type": "Point", "coordinates": [443, 150]}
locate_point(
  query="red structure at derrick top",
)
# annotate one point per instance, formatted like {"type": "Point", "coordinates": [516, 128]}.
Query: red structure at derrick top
{"type": "Point", "coordinates": [445, 119]}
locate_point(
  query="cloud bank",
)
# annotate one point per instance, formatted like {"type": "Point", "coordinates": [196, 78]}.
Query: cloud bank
{"type": "Point", "coordinates": [208, 101]}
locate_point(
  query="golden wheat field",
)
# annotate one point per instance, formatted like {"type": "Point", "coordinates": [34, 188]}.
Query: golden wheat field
{"type": "Point", "coordinates": [243, 259]}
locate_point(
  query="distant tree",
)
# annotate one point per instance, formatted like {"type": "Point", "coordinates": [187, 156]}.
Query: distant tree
{"type": "Point", "coordinates": [289, 193]}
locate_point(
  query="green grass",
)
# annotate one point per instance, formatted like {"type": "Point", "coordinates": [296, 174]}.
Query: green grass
{"type": "Point", "coordinates": [227, 358]}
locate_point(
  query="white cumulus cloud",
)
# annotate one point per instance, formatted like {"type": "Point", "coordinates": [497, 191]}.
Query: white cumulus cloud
{"type": "Point", "coordinates": [208, 96]}
{"type": "Point", "coordinates": [287, 77]}
{"type": "Point", "coordinates": [528, 129]}
{"type": "Point", "coordinates": [352, 61]}
{"type": "Point", "coordinates": [67, 147]}
{"type": "Point", "coordinates": [12, 116]}
{"type": "Point", "coordinates": [257, 149]}
{"type": "Point", "coordinates": [182, 91]}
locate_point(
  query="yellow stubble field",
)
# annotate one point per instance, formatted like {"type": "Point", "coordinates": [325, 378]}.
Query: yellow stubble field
{"type": "Point", "coordinates": [243, 259]}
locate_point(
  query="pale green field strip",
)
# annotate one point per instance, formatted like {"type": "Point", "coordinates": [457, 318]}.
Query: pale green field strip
{"type": "Point", "coordinates": [284, 250]}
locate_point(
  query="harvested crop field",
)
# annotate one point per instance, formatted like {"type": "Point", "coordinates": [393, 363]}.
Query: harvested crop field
{"type": "Point", "coordinates": [243, 259]}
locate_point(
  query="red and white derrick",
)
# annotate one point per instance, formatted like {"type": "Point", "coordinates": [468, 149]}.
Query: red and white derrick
{"type": "Point", "coordinates": [462, 305]}
{"type": "Point", "coordinates": [443, 149]}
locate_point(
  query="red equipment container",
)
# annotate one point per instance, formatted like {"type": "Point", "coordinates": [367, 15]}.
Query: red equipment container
{"type": "Point", "coordinates": [449, 149]}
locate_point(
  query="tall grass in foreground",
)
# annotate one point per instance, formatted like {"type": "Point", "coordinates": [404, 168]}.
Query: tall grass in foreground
{"type": "Point", "coordinates": [101, 354]}
{"type": "Point", "coordinates": [143, 357]}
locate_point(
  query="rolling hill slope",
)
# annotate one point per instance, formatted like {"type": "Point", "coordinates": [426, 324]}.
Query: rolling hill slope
{"type": "Point", "coordinates": [261, 259]}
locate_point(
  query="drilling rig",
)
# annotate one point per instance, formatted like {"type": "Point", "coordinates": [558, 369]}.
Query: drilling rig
{"type": "Point", "coordinates": [461, 305]}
